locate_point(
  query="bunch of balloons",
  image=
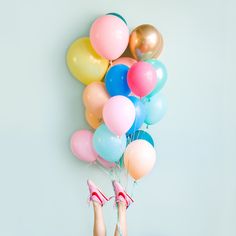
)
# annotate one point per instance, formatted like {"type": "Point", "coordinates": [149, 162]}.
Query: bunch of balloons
{"type": "Point", "coordinates": [121, 93]}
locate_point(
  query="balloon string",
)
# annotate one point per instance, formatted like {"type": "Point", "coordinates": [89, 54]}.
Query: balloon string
{"type": "Point", "coordinates": [133, 188]}
{"type": "Point", "coordinates": [109, 173]}
{"type": "Point", "coordinates": [119, 173]}
{"type": "Point", "coordinates": [133, 134]}
{"type": "Point", "coordinates": [138, 133]}
{"type": "Point", "coordinates": [127, 179]}
{"type": "Point", "coordinates": [88, 168]}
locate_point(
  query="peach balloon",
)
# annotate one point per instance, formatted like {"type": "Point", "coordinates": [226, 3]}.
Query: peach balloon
{"type": "Point", "coordinates": [92, 120]}
{"type": "Point", "coordinates": [128, 61]}
{"type": "Point", "coordinates": [139, 158]}
{"type": "Point", "coordinates": [94, 97]}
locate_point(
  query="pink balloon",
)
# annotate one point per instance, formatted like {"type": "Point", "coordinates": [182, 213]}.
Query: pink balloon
{"type": "Point", "coordinates": [119, 114]}
{"type": "Point", "coordinates": [109, 36]}
{"type": "Point", "coordinates": [105, 163]}
{"type": "Point", "coordinates": [128, 61]}
{"type": "Point", "coordinates": [142, 78]}
{"type": "Point", "coordinates": [82, 146]}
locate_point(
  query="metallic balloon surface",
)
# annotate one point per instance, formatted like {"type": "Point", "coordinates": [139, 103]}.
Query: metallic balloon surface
{"type": "Point", "coordinates": [145, 42]}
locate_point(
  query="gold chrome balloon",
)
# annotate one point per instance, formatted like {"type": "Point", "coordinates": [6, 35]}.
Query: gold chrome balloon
{"type": "Point", "coordinates": [145, 42]}
{"type": "Point", "coordinates": [84, 63]}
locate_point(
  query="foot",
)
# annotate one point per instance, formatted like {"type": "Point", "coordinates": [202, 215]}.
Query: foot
{"type": "Point", "coordinates": [95, 194]}
{"type": "Point", "coordinates": [120, 194]}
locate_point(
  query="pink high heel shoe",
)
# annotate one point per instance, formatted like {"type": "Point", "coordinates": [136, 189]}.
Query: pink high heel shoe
{"type": "Point", "coordinates": [95, 194]}
{"type": "Point", "coordinates": [121, 195]}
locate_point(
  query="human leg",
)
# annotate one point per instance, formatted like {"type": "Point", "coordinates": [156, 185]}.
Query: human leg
{"type": "Point", "coordinates": [98, 199]}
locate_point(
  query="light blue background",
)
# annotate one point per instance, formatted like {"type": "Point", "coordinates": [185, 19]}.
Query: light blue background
{"type": "Point", "coordinates": [192, 189]}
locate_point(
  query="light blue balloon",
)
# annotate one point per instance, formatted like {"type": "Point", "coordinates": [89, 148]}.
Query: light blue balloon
{"type": "Point", "coordinates": [108, 145]}
{"type": "Point", "coordinates": [161, 75]}
{"type": "Point", "coordinates": [140, 114]}
{"type": "Point", "coordinates": [156, 108]}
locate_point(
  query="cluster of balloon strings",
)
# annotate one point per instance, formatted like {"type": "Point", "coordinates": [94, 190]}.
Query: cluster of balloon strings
{"type": "Point", "coordinates": [121, 94]}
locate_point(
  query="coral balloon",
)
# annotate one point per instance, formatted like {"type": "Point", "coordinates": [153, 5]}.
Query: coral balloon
{"type": "Point", "coordinates": [92, 120]}
{"type": "Point", "coordinates": [109, 36]}
{"type": "Point", "coordinates": [142, 78]}
{"type": "Point", "coordinates": [94, 97]}
{"type": "Point", "coordinates": [82, 146]}
{"type": "Point", "coordinates": [106, 164]}
{"type": "Point", "coordinates": [108, 145]}
{"type": "Point", "coordinates": [119, 114]}
{"type": "Point", "coordinates": [145, 42]}
{"type": "Point", "coordinates": [84, 63]}
{"type": "Point", "coordinates": [128, 61]}
{"type": "Point", "coordinates": [139, 158]}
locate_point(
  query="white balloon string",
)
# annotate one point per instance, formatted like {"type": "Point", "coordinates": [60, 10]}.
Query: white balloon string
{"type": "Point", "coordinates": [103, 169]}
{"type": "Point", "coordinates": [133, 188]}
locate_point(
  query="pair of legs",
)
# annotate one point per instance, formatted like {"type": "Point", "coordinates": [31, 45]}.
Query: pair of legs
{"type": "Point", "coordinates": [122, 199]}
{"type": "Point", "coordinates": [99, 228]}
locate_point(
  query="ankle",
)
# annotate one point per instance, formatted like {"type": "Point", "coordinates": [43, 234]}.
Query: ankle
{"type": "Point", "coordinates": [96, 204]}
{"type": "Point", "coordinates": [122, 205]}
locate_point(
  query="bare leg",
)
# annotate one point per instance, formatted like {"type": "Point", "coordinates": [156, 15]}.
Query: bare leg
{"type": "Point", "coordinates": [122, 220]}
{"type": "Point", "coordinates": [99, 228]}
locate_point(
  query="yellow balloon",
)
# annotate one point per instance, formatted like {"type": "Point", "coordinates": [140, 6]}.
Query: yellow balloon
{"type": "Point", "coordinates": [84, 63]}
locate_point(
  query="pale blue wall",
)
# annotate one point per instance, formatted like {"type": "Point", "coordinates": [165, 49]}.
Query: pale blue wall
{"type": "Point", "coordinates": [191, 191]}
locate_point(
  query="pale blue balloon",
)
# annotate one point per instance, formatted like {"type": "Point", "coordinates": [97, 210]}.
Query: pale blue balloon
{"type": "Point", "coordinates": [140, 114]}
{"type": "Point", "coordinates": [155, 107]}
{"type": "Point", "coordinates": [108, 145]}
{"type": "Point", "coordinates": [161, 75]}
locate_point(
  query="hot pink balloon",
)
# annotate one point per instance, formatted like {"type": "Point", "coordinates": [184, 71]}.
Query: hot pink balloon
{"type": "Point", "coordinates": [128, 61]}
{"type": "Point", "coordinates": [82, 146]}
{"type": "Point", "coordinates": [109, 36]}
{"type": "Point", "coordinates": [119, 114]}
{"type": "Point", "coordinates": [142, 78]}
{"type": "Point", "coordinates": [105, 163]}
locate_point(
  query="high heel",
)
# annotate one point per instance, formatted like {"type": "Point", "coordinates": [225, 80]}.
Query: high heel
{"type": "Point", "coordinates": [96, 195]}
{"type": "Point", "coordinates": [121, 195]}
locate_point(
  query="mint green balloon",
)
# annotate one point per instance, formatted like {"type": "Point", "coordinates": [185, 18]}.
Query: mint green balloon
{"type": "Point", "coordinates": [161, 75]}
{"type": "Point", "coordinates": [108, 145]}
{"type": "Point", "coordinates": [155, 108]}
